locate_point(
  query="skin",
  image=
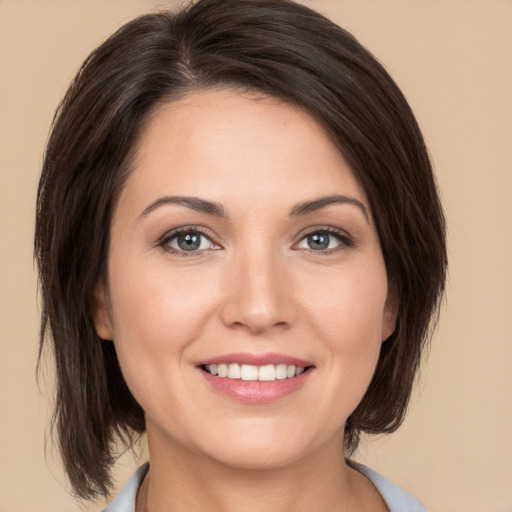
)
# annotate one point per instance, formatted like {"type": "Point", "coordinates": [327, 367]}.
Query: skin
{"type": "Point", "coordinates": [255, 285]}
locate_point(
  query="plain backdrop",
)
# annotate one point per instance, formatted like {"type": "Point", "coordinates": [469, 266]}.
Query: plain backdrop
{"type": "Point", "coordinates": [453, 60]}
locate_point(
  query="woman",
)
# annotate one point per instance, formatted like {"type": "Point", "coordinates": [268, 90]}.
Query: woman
{"type": "Point", "coordinates": [241, 251]}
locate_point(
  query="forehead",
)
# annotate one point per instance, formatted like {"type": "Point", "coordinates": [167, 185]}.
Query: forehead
{"type": "Point", "coordinates": [229, 145]}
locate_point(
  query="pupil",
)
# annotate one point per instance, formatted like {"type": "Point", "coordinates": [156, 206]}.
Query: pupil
{"type": "Point", "coordinates": [318, 241]}
{"type": "Point", "coordinates": [189, 241]}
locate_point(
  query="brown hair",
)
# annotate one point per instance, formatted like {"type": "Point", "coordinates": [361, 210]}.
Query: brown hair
{"type": "Point", "coordinates": [276, 47]}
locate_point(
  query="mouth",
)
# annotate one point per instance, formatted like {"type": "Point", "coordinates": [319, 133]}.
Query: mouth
{"type": "Point", "coordinates": [254, 378]}
{"type": "Point", "coordinates": [249, 372]}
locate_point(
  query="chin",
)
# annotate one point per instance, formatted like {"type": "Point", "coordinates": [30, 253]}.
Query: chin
{"type": "Point", "coordinates": [253, 458]}
{"type": "Point", "coordinates": [263, 449]}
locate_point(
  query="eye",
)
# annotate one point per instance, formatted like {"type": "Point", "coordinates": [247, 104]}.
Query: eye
{"type": "Point", "coordinates": [187, 241]}
{"type": "Point", "coordinates": [324, 240]}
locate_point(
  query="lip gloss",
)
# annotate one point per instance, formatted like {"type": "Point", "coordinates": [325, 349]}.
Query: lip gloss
{"type": "Point", "coordinates": [256, 391]}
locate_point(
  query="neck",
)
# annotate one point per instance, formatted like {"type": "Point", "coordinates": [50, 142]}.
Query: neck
{"type": "Point", "coordinates": [181, 480]}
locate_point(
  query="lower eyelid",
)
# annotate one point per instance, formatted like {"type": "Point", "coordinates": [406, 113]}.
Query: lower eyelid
{"type": "Point", "coordinates": [343, 239]}
{"type": "Point", "coordinates": [172, 235]}
{"type": "Point", "coordinates": [175, 238]}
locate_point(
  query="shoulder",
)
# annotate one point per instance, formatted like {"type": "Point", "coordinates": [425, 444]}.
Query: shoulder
{"type": "Point", "coordinates": [125, 500]}
{"type": "Point", "coordinates": [395, 497]}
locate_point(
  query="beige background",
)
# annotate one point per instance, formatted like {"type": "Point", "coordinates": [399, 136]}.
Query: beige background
{"type": "Point", "coordinates": [453, 60]}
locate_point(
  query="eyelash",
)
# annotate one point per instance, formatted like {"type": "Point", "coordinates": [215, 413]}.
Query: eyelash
{"type": "Point", "coordinates": [168, 237]}
{"type": "Point", "coordinates": [345, 240]}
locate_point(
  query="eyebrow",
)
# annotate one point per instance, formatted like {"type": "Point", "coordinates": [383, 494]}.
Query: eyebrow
{"type": "Point", "coordinates": [216, 209]}
{"type": "Point", "coordinates": [323, 202]}
{"type": "Point", "coordinates": [200, 205]}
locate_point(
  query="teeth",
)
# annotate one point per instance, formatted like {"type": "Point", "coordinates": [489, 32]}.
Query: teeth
{"type": "Point", "coordinates": [267, 372]}
{"type": "Point", "coordinates": [290, 371]}
{"type": "Point", "coordinates": [281, 371]}
{"type": "Point", "coordinates": [249, 372]}
{"type": "Point", "coordinates": [222, 370]}
{"type": "Point", "coordinates": [234, 371]}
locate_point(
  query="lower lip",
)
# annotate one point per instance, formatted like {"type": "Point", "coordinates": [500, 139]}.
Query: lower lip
{"type": "Point", "coordinates": [255, 391]}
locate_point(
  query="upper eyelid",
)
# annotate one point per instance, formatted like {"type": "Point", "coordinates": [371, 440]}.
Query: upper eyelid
{"type": "Point", "coordinates": [185, 229]}
{"type": "Point", "coordinates": [164, 242]}
{"type": "Point", "coordinates": [346, 241]}
{"type": "Point", "coordinates": [326, 229]}
{"type": "Point", "coordinates": [212, 236]}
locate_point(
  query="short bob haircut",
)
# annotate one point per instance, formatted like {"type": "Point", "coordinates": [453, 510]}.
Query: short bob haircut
{"type": "Point", "coordinates": [276, 48]}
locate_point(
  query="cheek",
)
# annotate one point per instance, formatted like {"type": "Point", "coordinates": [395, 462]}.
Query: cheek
{"type": "Point", "coordinates": [155, 307]}
{"type": "Point", "coordinates": [156, 317]}
{"type": "Point", "coordinates": [349, 306]}
{"type": "Point", "coordinates": [346, 314]}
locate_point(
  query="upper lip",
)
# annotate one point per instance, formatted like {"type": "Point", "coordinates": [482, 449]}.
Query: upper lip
{"type": "Point", "coordinates": [257, 359]}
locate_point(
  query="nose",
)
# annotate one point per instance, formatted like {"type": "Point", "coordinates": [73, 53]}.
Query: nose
{"type": "Point", "coordinates": [258, 293]}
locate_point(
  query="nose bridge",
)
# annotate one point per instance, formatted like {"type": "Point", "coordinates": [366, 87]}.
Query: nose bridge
{"type": "Point", "coordinates": [258, 292]}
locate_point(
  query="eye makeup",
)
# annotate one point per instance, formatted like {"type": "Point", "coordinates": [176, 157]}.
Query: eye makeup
{"type": "Point", "coordinates": [192, 240]}
{"type": "Point", "coordinates": [187, 241]}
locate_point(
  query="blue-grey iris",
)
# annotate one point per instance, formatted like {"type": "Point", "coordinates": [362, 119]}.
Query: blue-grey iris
{"type": "Point", "coordinates": [189, 241]}
{"type": "Point", "coordinates": [318, 241]}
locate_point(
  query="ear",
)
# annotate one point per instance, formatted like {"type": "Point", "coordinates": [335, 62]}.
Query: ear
{"type": "Point", "coordinates": [100, 311]}
{"type": "Point", "coordinates": [390, 315]}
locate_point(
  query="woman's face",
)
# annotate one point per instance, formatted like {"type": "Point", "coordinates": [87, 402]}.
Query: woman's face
{"type": "Point", "coordinates": [242, 243]}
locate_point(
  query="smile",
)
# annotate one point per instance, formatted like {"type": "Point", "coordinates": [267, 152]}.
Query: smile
{"type": "Point", "coordinates": [256, 378]}
{"type": "Point", "coordinates": [249, 372]}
